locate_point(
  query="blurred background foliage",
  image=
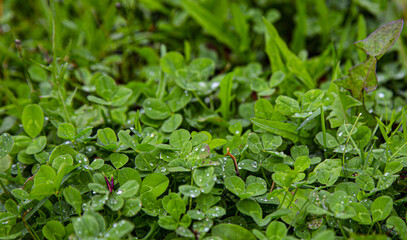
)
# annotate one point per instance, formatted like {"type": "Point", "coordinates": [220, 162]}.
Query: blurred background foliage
{"type": "Point", "coordinates": [126, 39]}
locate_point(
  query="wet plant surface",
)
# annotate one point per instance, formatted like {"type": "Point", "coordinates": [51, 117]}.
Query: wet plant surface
{"type": "Point", "coordinates": [203, 119]}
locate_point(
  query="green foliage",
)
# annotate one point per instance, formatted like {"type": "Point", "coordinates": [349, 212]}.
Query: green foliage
{"type": "Point", "coordinates": [203, 120]}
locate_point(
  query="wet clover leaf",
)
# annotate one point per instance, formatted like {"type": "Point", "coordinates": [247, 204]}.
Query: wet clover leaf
{"type": "Point", "coordinates": [381, 40]}
{"type": "Point", "coordinates": [6, 144]}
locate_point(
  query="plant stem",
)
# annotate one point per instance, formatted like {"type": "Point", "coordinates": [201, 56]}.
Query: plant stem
{"type": "Point", "coordinates": [323, 127]}
{"type": "Point", "coordinates": [151, 232]}
{"type": "Point", "coordinates": [234, 161]}
{"type": "Point", "coordinates": [292, 199]}
{"type": "Point", "coordinates": [200, 101]}
{"type": "Point", "coordinates": [26, 225]}
{"type": "Point", "coordinates": [272, 187]}
{"type": "Point", "coordinates": [192, 184]}
{"type": "Point", "coordinates": [285, 196]}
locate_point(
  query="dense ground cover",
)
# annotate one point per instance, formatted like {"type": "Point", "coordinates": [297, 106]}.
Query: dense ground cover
{"type": "Point", "coordinates": [207, 119]}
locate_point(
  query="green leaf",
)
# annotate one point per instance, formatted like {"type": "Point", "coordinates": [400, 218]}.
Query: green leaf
{"type": "Point", "coordinates": [171, 62]}
{"type": "Point", "coordinates": [217, 143]}
{"type": "Point", "coordinates": [299, 151]}
{"type": "Point", "coordinates": [107, 138]}
{"type": "Point", "coordinates": [97, 163]}
{"type": "Point", "coordinates": [20, 194]}
{"type": "Point", "coordinates": [287, 106]}
{"type": "Point", "coordinates": [253, 141]}
{"type": "Point", "coordinates": [33, 120]}
{"type": "Point", "coordinates": [145, 147]}
{"type": "Point", "coordinates": [37, 73]}
{"type": "Point", "coordinates": [118, 160]}
{"type": "Point", "coordinates": [45, 175]}
{"type": "Point", "coordinates": [167, 222]}
{"type": "Point", "coordinates": [66, 131]}
{"type": "Point", "coordinates": [398, 224]}
{"type": "Point", "coordinates": [105, 87]}
{"type": "Point", "coordinates": [44, 182]}
{"type": "Point", "coordinates": [276, 230]}
{"type": "Point", "coordinates": [189, 191]}
{"type": "Point", "coordinates": [277, 78]}
{"type": "Point", "coordinates": [37, 145]}
{"type": "Point", "coordinates": [361, 77]}
{"type": "Point", "coordinates": [241, 26]}
{"type": "Point", "coordinates": [225, 95]}
{"type": "Point", "coordinates": [203, 176]}
{"type": "Point", "coordinates": [340, 108]}
{"type": "Point", "coordinates": [235, 185]}
{"type": "Point", "coordinates": [302, 163]}
{"type": "Point", "coordinates": [126, 139]}
{"type": "Point", "coordinates": [204, 67]}
{"type": "Point", "coordinates": [156, 109]}
{"type": "Point", "coordinates": [25, 158]}
{"type": "Point", "coordinates": [121, 96]}
{"type": "Point", "coordinates": [381, 208]}
{"type": "Point", "coordinates": [178, 99]}
{"type": "Point", "coordinates": [172, 123]}
{"type": "Point", "coordinates": [250, 207]}
{"type": "Point", "coordinates": [174, 205]}
{"type": "Point", "coordinates": [215, 212]}
{"type": "Point", "coordinates": [263, 109]}
{"type": "Point", "coordinates": [86, 226]}
{"type": "Point", "coordinates": [232, 232]}
{"type": "Point", "coordinates": [249, 165]}
{"type": "Point", "coordinates": [362, 214]}
{"type": "Point", "coordinates": [209, 22]}
{"type": "Point", "coordinates": [98, 188]}
{"type": "Point", "coordinates": [331, 141]}
{"type": "Point", "coordinates": [156, 183]}
{"type": "Point", "coordinates": [53, 230]}
{"type": "Point", "coordinates": [129, 189]}
{"type": "Point", "coordinates": [365, 181]}
{"type": "Point", "coordinates": [285, 130]}
{"type": "Point", "coordinates": [381, 40]}
{"type": "Point", "coordinates": [115, 202]}
{"type": "Point", "coordinates": [6, 144]}
{"type": "Point", "coordinates": [179, 137]}
{"type": "Point", "coordinates": [11, 207]}
{"type": "Point", "coordinates": [127, 174]}
{"type": "Point", "coordinates": [98, 100]}
{"type": "Point", "coordinates": [325, 235]}
{"type": "Point", "coordinates": [74, 198]}
{"type": "Point", "coordinates": [62, 159]}
{"type": "Point", "coordinates": [131, 207]}
{"type": "Point", "coordinates": [293, 63]}
{"type": "Point", "coordinates": [316, 210]}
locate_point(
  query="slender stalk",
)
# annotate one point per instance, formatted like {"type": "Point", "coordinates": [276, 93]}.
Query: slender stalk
{"type": "Point", "coordinates": [323, 127]}
{"type": "Point", "coordinates": [295, 218]}
{"type": "Point", "coordinates": [200, 101]}
{"type": "Point", "coordinates": [60, 209]}
{"type": "Point", "coordinates": [292, 199]}
{"type": "Point", "coordinates": [26, 225]}
{"type": "Point", "coordinates": [272, 187]}
{"type": "Point", "coordinates": [234, 161]}
{"type": "Point", "coordinates": [3, 187]}
{"type": "Point", "coordinates": [346, 144]}
{"type": "Point", "coordinates": [151, 232]}
{"type": "Point", "coordinates": [264, 176]}
{"type": "Point", "coordinates": [192, 184]}
{"type": "Point", "coordinates": [285, 196]}
{"type": "Point", "coordinates": [342, 231]}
